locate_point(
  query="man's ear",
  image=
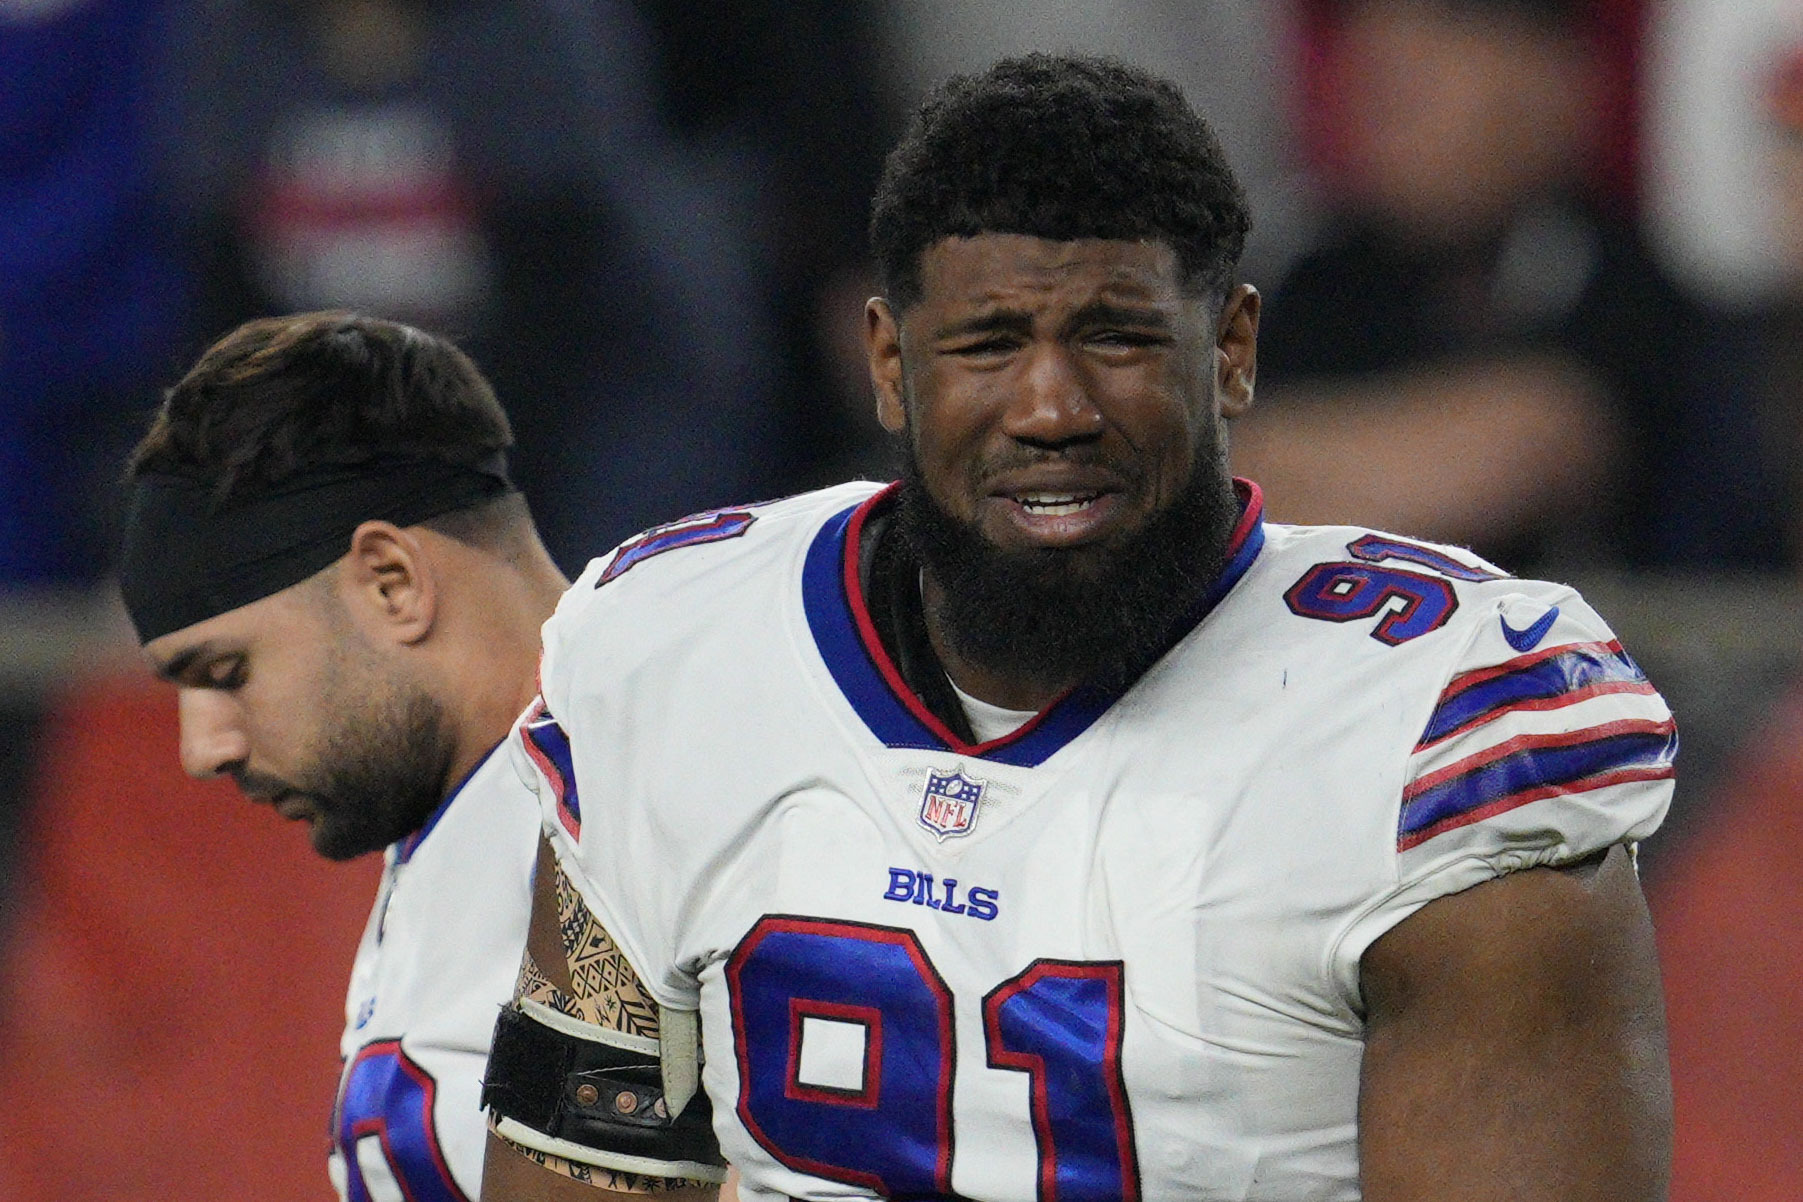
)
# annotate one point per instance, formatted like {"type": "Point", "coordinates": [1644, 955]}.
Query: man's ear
{"type": "Point", "coordinates": [1236, 350]}
{"type": "Point", "coordinates": [882, 343]}
{"type": "Point", "coordinates": [390, 583]}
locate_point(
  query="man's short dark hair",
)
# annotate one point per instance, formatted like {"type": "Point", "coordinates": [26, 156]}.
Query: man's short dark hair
{"type": "Point", "coordinates": [1060, 147]}
{"type": "Point", "coordinates": [279, 395]}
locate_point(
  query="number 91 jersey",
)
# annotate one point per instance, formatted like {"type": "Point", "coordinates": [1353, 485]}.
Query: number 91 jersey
{"type": "Point", "coordinates": [1113, 955]}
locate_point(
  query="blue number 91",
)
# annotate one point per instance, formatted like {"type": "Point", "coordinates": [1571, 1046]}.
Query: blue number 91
{"type": "Point", "coordinates": [887, 1126]}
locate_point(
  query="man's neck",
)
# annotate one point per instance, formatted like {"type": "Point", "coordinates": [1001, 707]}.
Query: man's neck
{"type": "Point", "coordinates": [893, 585]}
{"type": "Point", "coordinates": [494, 669]}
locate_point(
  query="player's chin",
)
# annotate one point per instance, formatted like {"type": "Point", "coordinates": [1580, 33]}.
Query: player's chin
{"type": "Point", "coordinates": [1082, 554]}
{"type": "Point", "coordinates": [1068, 569]}
{"type": "Point", "coordinates": [337, 840]}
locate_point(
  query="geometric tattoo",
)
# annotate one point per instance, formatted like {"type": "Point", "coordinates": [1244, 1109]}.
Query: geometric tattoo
{"type": "Point", "coordinates": [603, 992]}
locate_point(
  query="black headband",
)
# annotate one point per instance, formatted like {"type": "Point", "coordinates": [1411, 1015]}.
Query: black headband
{"type": "Point", "coordinates": [187, 558]}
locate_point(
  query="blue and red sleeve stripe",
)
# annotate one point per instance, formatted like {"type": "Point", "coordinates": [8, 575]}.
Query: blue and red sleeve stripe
{"type": "Point", "coordinates": [1533, 767]}
{"type": "Point", "coordinates": [549, 746]}
{"type": "Point", "coordinates": [1541, 680]}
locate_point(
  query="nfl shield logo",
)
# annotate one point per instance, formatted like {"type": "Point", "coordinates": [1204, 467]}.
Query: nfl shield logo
{"type": "Point", "coordinates": [950, 804]}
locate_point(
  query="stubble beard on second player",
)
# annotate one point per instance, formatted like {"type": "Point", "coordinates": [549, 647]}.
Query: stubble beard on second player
{"type": "Point", "coordinates": [376, 775]}
{"type": "Point", "coordinates": [382, 775]}
{"type": "Point", "coordinates": [1100, 614]}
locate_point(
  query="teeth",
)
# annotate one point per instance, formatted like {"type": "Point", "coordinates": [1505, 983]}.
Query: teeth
{"type": "Point", "coordinates": [1056, 504]}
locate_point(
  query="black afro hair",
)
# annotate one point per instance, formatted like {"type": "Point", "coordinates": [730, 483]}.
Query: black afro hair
{"type": "Point", "coordinates": [1061, 147]}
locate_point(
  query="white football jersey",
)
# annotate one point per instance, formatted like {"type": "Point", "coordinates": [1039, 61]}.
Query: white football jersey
{"type": "Point", "coordinates": [1114, 954]}
{"type": "Point", "coordinates": [439, 958]}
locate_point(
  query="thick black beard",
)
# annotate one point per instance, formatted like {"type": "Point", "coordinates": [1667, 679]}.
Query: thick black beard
{"type": "Point", "coordinates": [1093, 614]}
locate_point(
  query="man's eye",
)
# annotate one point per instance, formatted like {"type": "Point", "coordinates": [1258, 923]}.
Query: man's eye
{"type": "Point", "coordinates": [1123, 338]}
{"type": "Point", "coordinates": [986, 346]}
{"type": "Point", "coordinates": [224, 673]}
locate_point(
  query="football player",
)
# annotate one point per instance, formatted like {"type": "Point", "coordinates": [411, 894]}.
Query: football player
{"type": "Point", "coordinates": [1050, 824]}
{"type": "Point", "coordinates": [325, 556]}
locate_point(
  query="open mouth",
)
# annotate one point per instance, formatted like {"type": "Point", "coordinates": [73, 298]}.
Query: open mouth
{"type": "Point", "coordinates": [1048, 504]}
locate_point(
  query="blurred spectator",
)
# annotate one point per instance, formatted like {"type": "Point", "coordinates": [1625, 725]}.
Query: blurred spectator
{"type": "Point", "coordinates": [788, 99]}
{"type": "Point", "coordinates": [89, 291]}
{"type": "Point", "coordinates": [1716, 186]}
{"type": "Point", "coordinates": [495, 169]}
{"type": "Point", "coordinates": [1478, 348]}
{"type": "Point", "coordinates": [1726, 909]}
{"type": "Point", "coordinates": [1725, 192]}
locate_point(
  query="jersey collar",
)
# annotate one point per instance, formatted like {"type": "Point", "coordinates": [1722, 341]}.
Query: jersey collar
{"type": "Point", "coordinates": [404, 848]}
{"type": "Point", "coordinates": [833, 598]}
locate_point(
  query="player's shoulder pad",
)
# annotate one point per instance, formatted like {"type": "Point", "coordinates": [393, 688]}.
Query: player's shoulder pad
{"type": "Point", "coordinates": [1399, 590]}
{"type": "Point", "coordinates": [1540, 704]}
{"type": "Point", "coordinates": [680, 587]}
{"type": "Point", "coordinates": [1377, 548]}
{"type": "Point", "coordinates": [739, 531]}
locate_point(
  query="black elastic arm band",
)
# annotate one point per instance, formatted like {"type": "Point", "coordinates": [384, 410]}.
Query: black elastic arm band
{"type": "Point", "coordinates": [601, 1097]}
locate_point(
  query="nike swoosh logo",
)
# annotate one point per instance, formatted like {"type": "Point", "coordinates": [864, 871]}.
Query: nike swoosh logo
{"type": "Point", "coordinates": [1528, 639]}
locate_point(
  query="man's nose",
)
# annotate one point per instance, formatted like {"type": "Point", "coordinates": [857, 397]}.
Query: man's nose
{"type": "Point", "coordinates": [212, 739]}
{"type": "Point", "coordinates": [1052, 406]}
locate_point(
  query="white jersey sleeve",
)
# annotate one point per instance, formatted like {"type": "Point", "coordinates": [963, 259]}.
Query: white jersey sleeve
{"type": "Point", "coordinates": [1546, 744]}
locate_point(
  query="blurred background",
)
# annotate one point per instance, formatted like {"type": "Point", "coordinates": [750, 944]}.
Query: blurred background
{"type": "Point", "coordinates": [1533, 273]}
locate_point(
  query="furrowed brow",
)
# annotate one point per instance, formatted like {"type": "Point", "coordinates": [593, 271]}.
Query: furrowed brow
{"type": "Point", "coordinates": [995, 321]}
{"type": "Point", "coordinates": [1108, 313]}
